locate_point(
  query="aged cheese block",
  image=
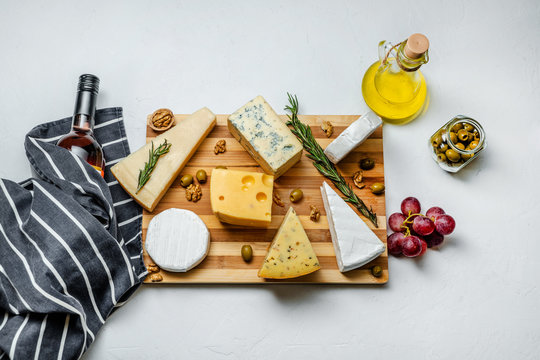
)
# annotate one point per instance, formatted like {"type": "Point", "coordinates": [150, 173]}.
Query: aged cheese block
{"type": "Point", "coordinates": [354, 242]}
{"type": "Point", "coordinates": [177, 240]}
{"type": "Point", "coordinates": [242, 197]}
{"type": "Point", "coordinates": [290, 254]}
{"type": "Point", "coordinates": [352, 137]}
{"type": "Point", "coordinates": [185, 138]}
{"type": "Point", "coordinates": [265, 137]}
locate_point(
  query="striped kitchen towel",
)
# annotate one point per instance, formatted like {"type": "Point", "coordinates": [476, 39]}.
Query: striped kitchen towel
{"type": "Point", "coordinates": [70, 245]}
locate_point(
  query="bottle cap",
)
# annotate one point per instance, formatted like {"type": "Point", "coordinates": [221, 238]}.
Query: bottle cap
{"type": "Point", "coordinates": [417, 44]}
{"type": "Point", "coordinates": [88, 82]}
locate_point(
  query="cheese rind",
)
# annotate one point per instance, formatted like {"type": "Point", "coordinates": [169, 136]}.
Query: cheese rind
{"type": "Point", "coordinates": [265, 136]}
{"type": "Point", "coordinates": [290, 255]}
{"type": "Point", "coordinates": [185, 137]}
{"type": "Point", "coordinates": [354, 242]}
{"type": "Point", "coordinates": [242, 197]}
{"type": "Point", "coordinates": [177, 240]}
{"type": "Point", "coordinates": [352, 136]}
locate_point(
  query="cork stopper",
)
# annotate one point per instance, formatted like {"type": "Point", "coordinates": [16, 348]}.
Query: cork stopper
{"type": "Point", "coordinates": [416, 46]}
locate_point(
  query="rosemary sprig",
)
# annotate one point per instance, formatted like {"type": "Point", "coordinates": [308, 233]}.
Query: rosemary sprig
{"type": "Point", "coordinates": [153, 157]}
{"type": "Point", "coordinates": [321, 162]}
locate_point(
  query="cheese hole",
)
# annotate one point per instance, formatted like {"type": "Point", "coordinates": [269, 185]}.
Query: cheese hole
{"type": "Point", "coordinates": [267, 214]}
{"type": "Point", "coordinates": [245, 188]}
{"type": "Point", "coordinates": [268, 180]}
{"type": "Point", "coordinates": [261, 196]}
{"type": "Point", "coordinates": [248, 180]}
{"type": "Point", "coordinates": [222, 198]}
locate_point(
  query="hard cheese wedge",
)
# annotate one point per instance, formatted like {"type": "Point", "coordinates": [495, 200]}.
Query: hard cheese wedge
{"type": "Point", "coordinates": [185, 138]}
{"type": "Point", "coordinates": [354, 242]}
{"type": "Point", "coordinates": [265, 137]}
{"type": "Point", "coordinates": [242, 197]}
{"type": "Point", "coordinates": [290, 254]}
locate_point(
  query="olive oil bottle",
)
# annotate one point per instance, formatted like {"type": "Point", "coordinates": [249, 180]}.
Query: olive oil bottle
{"type": "Point", "coordinates": [393, 87]}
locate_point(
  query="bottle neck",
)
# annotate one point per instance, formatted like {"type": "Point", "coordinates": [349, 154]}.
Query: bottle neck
{"type": "Point", "coordinates": [409, 64]}
{"type": "Point", "coordinates": [85, 109]}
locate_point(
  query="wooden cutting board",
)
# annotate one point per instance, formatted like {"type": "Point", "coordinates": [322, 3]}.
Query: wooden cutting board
{"type": "Point", "coordinates": [224, 263]}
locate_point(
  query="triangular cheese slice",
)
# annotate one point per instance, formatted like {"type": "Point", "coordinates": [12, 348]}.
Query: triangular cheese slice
{"type": "Point", "coordinates": [354, 242]}
{"type": "Point", "coordinates": [290, 254]}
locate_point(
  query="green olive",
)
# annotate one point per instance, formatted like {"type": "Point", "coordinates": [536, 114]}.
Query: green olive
{"type": "Point", "coordinates": [460, 146]}
{"type": "Point", "coordinates": [436, 140]}
{"type": "Point", "coordinates": [452, 155]}
{"type": "Point", "coordinates": [453, 137]}
{"type": "Point", "coordinates": [186, 180]}
{"type": "Point", "coordinates": [463, 135]}
{"type": "Point", "coordinates": [466, 157]}
{"type": "Point", "coordinates": [477, 136]}
{"type": "Point", "coordinates": [457, 127]}
{"type": "Point", "coordinates": [441, 157]}
{"type": "Point", "coordinates": [473, 144]}
{"type": "Point", "coordinates": [296, 195]}
{"type": "Point", "coordinates": [221, 167]}
{"type": "Point", "coordinates": [442, 148]}
{"type": "Point", "coordinates": [377, 188]}
{"type": "Point", "coordinates": [201, 176]}
{"type": "Point", "coordinates": [376, 271]}
{"type": "Point", "coordinates": [247, 253]}
{"type": "Point", "coordinates": [367, 164]}
{"type": "Point", "coordinates": [468, 127]}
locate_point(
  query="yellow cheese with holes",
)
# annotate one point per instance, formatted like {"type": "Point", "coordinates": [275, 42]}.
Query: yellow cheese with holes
{"type": "Point", "coordinates": [242, 197]}
{"type": "Point", "coordinates": [185, 137]}
{"type": "Point", "coordinates": [290, 254]}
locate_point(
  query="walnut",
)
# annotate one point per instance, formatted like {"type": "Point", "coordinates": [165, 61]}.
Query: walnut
{"type": "Point", "coordinates": [220, 147]}
{"type": "Point", "coordinates": [277, 199]}
{"type": "Point", "coordinates": [162, 119]}
{"type": "Point", "coordinates": [357, 179]}
{"type": "Point", "coordinates": [193, 192]}
{"type": "Point", "coordinates": [327, 127]}
{"type": "Point", "coordinates": [156, 277]}
{"type": "Point", "coordinates": [152, 268]}
{"type": "Point", "coordinates": [315, 214]}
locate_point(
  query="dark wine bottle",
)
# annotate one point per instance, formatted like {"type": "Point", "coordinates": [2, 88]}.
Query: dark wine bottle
{"type": "Point", "coordinates": [80, 140]}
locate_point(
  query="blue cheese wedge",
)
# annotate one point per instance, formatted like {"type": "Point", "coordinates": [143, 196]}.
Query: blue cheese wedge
{"type": "Point", "coordinates": [352, 137]}
{"type": "Point", "coordinates": [354, 242]}
{"type": "Point", "coordinates": [265, 137]}
{"type": "Point", "coordinates": [177, 240]}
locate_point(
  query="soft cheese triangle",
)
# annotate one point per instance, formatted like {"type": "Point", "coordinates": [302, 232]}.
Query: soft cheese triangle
{"type": "Point", "coordinates": [177, 240]}
{"type": "Point", "coordinates": [354, 242]}
{"type": "Point", "coordinates": [184, 138]}
{"type": "Point", "coordinates": [265, 137]}
{"type": "Point", "coordinates": [290, 254]}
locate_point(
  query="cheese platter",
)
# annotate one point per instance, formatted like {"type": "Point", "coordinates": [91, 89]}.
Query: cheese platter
{"type": "Point", "coordinates": [223, 262]}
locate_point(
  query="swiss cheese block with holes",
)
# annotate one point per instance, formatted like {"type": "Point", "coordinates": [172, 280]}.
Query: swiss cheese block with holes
{"type": "Point", "coordinates": [265, 136]}
{"type": "Point", "coordinates": [290, 254]}
{"type": "Point", "coordinates": [177, 240]}
{"type": "Point", "coordinates": [242, 197]}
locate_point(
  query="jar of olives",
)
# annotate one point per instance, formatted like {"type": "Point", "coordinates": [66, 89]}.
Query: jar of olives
{"type": "Point", "coordinates": [457, 143]}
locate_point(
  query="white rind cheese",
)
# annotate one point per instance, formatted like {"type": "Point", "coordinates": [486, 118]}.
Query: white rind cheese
{"type": "Point", "coordinates": [265, 137]}
{"type": "Point", "coordinates": [354, 242]}
{"type": "Point", "coordinates": [185, 137]}
{"type": "Point", "coordinates": [352, 136]}
{"type": "Point", "coordinates": [177, 240]}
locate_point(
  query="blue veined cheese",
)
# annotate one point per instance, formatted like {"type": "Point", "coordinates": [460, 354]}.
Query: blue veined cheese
{"type": "Point", "coordinates": [265, 136]}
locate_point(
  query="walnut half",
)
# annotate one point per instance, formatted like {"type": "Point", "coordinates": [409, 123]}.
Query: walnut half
{"type": "Point", "coordinates": [162, 119]}
{"type": "Point", "coordinates": [193, 192]}
{"type": "Point", "coordinates": [156, 277]}
{"type": "Point", "coordinates": [327, 127]}
{"type": "Point", "coordinates": [357, 179]}
{"type": "Point", "coordinates": [277, 199]}
{"type": "Point", "coordinates": [220, 147]}
{"type": "Point", "coordinates": [315, 214]}
{"type": "Point", "coordinates": [152, 268]}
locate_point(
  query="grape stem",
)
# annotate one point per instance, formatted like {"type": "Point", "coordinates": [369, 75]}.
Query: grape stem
{"type": "Point", "coordinates": [404, 224]}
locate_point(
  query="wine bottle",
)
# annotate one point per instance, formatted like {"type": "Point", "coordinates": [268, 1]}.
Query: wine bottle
{"type": "Point", "coordinates": [80, 140]}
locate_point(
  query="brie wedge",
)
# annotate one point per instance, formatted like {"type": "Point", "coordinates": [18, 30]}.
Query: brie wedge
{"type": "Point", "coordinates": [352, 136]}
{"type": "Point", "coordinates": [177, 240]}
{"type": "Point", "coordinates": [354, 242]}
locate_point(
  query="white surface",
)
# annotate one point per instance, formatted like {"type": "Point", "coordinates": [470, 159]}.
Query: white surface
{"type": "Point", "coordinates": [354, 242]}
{"type": "Point", "coordinates": [177, 240]}
{"type": "Point", "coordinates": [476, 298]}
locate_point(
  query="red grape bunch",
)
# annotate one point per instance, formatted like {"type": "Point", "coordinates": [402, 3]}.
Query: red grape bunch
{"type": "Point", "coordinates": [415, 232]}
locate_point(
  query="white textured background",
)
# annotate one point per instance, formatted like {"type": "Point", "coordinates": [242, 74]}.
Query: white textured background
{"type": "Point", "coordinates": [476, 298]}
